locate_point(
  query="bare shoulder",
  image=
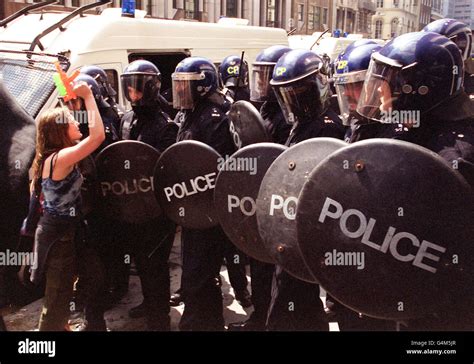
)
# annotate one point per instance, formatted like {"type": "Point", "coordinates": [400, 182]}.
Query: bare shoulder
{"type": "Point", "coordinates": [46, 166]}
{"type": "Point", "coordinates": [60, 170]}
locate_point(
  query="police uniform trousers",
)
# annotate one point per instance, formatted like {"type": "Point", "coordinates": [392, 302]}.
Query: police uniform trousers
{"type": "Point", "coordinates": [202, 259]}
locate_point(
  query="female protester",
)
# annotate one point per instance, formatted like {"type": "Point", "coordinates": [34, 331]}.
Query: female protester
{"type": "Point", "coordinates": [55, 170]}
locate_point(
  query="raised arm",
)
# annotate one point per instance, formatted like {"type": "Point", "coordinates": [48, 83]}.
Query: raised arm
{"type": "Point", "coordinates": [72, 155]}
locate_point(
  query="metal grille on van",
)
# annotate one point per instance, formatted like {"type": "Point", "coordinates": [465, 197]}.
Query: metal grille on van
{"type": "Point", "coordinates": [29, 80]}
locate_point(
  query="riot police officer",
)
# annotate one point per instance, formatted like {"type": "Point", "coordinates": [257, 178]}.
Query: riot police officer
{"type": "Point", "coordinates": [302, 91]}
{"type": "Point", "coordinates": [350, 72]}
{"type": "Point", "coordinates": [461, 35]}
{"type": "Point", "coordinates": [202, 117]}
{"type": "Point", "coordinates": [116, 270]}
{"type": "Point", "coordinates": [349, 75]}
{"type": "Point", "coordinates": [151, 241]}
{"type": "Point", "coordinates": [301, 87]}
{"type": "Point", "coordinates": [261, 92]}
{"type": "Point", "coordinates": [334, 104]}
{"type": "Point", "coordinates": [107, 91]}
{"type": "Point", "coordinates": [109, 117]}
{"type": "Point", "coordinates": [278, 129]}
{"type": "Point", "coordinates": [402, 77]}
{"type": "Point", "coordinates": [234, 75]}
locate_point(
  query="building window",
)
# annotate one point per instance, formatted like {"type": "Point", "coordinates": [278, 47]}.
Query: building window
{"type": "Point", "coordinates": [311, 10]}
{"type": "Point", "coordinates": [190, 9]}
{"type": "Point", "coordinates": [231, 8]}
{"type": "Point", "coordinates": [395, 3]}
{"type": "Point", "coordinates": [138, 4]}
{"type": "Point", "coordinates": [380, 3]}
{"type": "Point", "coordinates": [350, 21]}
{"type": "Point", "coordinates": [150, 7]}
{"type": "Point", "coordinates": [271, 13]}
{"type": "Point", "coordinates": [314, 17]}
{"type": "Point", "coordinates": [378, 29]}
{"type": "Point", "coordinates": [325, 16]}
{"type": "Point", "coordinates": [317, 17]}
{"type": "Point", "coordinates": [75, 3]}
{"type": "Point", "coordinates": [394, 27]}
{"type": "Point", "coordinates": [300, 12]}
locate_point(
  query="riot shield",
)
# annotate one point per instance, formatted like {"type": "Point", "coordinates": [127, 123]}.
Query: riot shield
{"type": "Point", "coordinates": [236, 193]}
{"type": "Point", "coordinates": [126, 182]}
{"type": "Point", "coordinates": [246, 124]}
{"type": "Point", "coordinates": [278, 197]}
{"type": "Point", "coordinates": [386, 228]}
{"type": "Point", "coordinates": [185, 180]}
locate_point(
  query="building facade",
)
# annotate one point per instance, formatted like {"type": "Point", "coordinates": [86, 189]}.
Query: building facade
{"type": "Point", "coordinates": [354, 16]}
{"type": "Point", "coordinates": [345, 15]}
{"type": "Point", "coordinates": [424, 15]}
{"type": "Point", "coordinates": [307, 16]}
{"type": "Point", "coordinates": [437, 9]}
{"type": "Point", "coordinates": [463, 10]}
{"type": "Point", "coordinates": [395, 17]}
{"type": "Point", "coordinates": [364, 17]}
{"type": "Point", "coordinates": [272, 13]}
{"type": "Point", "coordinates": [311, 16]}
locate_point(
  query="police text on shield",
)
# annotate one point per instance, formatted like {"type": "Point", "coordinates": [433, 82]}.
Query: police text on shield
{"type": "Point", "coordinates": [333, 209]}
{"type": "Point", "coordinates": [191, 187]}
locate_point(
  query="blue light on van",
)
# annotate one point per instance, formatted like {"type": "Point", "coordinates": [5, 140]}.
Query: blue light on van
{"type": "Point", "coordinates": [128, 8]}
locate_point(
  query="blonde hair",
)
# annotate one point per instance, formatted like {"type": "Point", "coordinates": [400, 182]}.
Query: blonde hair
{"type": "Point", "coordinates": [51, 136]}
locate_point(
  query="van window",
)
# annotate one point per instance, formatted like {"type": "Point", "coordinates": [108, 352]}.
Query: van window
{"type": "Point", "coordinates": [166, 63]}
{"type": "Point", "coordinates": [112, 76]}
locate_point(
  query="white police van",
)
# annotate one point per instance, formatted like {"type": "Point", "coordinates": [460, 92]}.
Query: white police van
{"type": "Point", "coordinates": [31, 40]}
{"type": "Point", "coordinates": [327, 44]}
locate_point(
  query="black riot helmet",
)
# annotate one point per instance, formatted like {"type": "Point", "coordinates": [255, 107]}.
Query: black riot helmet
{"type": "Point", "coordinates": [194, 79]}
{"type": "Point", "coordinates": [233, 72]}
{"type": "Point", "coordinates": [456, 31]}
{"type": "Point", "coordinates": [98, 74]}
{"type": "Point", "coordinates": [351, 71]}
{"type": "Point", "coordinates": [141, 82]}
{"type": "Point", "coordinates": [301, 88]}
{"type": "Point", "coordinates": [409, 77]}
{"type": "Point", "coordinates": [262, 71]}
{"type": "Point", "coordinates": [77, 103]}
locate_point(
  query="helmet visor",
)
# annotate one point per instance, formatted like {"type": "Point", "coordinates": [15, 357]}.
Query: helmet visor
{"type": "Point", "coordinates": [183, 95]}
{"type": "Point", "coordinates": [140, 88]}
{"type": "Point", "coordinates": [464, 42]}
{"type": "Point", "coordinates": [301, 98]}
{"type": "Point", "coordinates": [106, 88]}
{"type": "Point", "coordinates": [380, 92]}
{"type": "Point", "coordinates": [348, 96]}
{"type": "Point", "coordinates": [260, 89]}
{"type": "Point", "coordinates": [348, 88]}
